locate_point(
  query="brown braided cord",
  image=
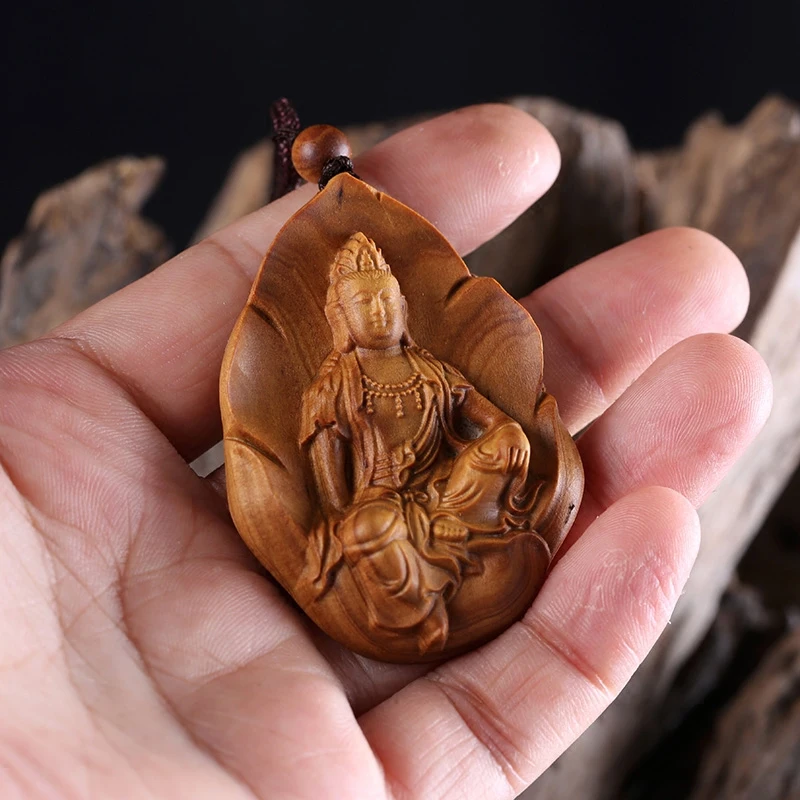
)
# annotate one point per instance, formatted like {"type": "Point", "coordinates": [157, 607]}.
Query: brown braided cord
{"type": "Point", "coordinates": [285, 126]}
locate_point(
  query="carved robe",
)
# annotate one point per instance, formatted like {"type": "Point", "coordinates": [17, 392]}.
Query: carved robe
{"type": "Point", "coordinates": [404, 573]}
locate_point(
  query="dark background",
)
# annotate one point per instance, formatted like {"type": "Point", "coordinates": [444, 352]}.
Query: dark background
{"type": "Point", "coordinates": [192, 82]}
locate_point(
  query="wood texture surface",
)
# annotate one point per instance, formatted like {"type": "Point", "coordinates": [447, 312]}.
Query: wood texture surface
{"type": "Point", "coordinates": [82, 241]}
{"type": "Point", "coordinates": [276, 351]}
{"type": "Point", "coordinates": [314, 147]}
{"type": "Point", "coordinates": [756, 749]}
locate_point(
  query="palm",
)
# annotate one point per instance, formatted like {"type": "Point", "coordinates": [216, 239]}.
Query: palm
{"type": "Point", "coordinates": [143, 651]}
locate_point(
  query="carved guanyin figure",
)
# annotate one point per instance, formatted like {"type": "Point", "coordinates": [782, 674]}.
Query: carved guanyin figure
{"type": "Point", "coordinates": [416, 473]}
{"type": "Point", "coordinates": [392, 456]}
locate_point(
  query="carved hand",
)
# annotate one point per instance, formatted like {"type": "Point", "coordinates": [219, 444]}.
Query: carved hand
{"type": "Point", "coordinates": [517, 460]}
{"type": "Point", "coordinates": [143, 653]}
{"type": "Point", "coordinates": [328, 460]}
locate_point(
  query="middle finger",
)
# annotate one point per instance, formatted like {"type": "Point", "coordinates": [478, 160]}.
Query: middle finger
{"type": "Point", "coordinates": [605, 321]}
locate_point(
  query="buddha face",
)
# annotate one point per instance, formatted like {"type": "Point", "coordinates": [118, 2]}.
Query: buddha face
{"type": "Point", "coordinates": [374, 310]}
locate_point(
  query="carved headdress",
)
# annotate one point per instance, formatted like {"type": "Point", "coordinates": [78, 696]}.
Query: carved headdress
{"type": "Point", "coordinates": [358, 256]}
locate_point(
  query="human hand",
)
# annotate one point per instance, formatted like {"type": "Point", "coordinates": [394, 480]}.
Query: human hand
{"type": "Point", "coordinates": [143, 651]}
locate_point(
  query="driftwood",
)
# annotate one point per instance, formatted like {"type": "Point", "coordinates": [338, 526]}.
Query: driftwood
{"type": "Point", "coordinates": [773, 560]}
{"type": "Point", "coordinates": [742, 633]}
{"type": "Point", "coordinates": [245, 189]}
{"type": "Point", "coordinates": [82, 241]}
{"type": "Point", "coordinates": [757, 749]}
{"type": "Point", "coordinates": [738, 182]}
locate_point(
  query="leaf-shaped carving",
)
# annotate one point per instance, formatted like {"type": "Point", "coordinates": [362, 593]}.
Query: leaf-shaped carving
{"type": "Point", "coordinates": [461, 325]}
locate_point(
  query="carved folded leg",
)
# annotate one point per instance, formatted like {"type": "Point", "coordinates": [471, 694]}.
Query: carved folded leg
{"type": "Point", "coordinates": [483, 475]}
{"type": "Point", "coordinates": [399, 587]}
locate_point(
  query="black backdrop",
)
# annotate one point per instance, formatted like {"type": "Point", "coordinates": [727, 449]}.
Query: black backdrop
{"type": "Point", "coordinates": [192, 81]}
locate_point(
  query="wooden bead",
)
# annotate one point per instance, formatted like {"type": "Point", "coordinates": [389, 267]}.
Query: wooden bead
{"type": "Point", "coordinates": [314, 147]}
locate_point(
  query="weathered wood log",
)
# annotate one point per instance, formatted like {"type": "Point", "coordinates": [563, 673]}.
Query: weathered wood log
{"type": "Point", "coordinates": [744, 630]}
{"type": "Point", "coordinates": [245, 189]}
{"type": "Point", "coordinates": [756, 753]}
{"type": "Point", "coordinates": [82, 241]}
{"type": "Point", "coordinates": [772, 562]}
{"type": "Point", "coordinates": [740, 183]}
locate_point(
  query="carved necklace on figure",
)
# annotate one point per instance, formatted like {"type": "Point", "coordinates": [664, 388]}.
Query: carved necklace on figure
{"type": "Point", "coordinates": [398, 391]}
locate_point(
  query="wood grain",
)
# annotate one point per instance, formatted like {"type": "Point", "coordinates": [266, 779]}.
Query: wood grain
{"type": "Point", "coordinates": [756, 748]}
{"type": "Point", "coordinates": [275, 353]}
{"type": "Point", "coordinates": [82, 241]}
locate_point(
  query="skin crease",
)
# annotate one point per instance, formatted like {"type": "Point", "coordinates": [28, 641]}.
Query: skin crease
{"type": "Point", "coordinates": [144, 654]}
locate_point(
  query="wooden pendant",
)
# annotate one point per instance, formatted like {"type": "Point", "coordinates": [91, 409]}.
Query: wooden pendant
{"type": "Point", "coordinates": [392, 456]}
